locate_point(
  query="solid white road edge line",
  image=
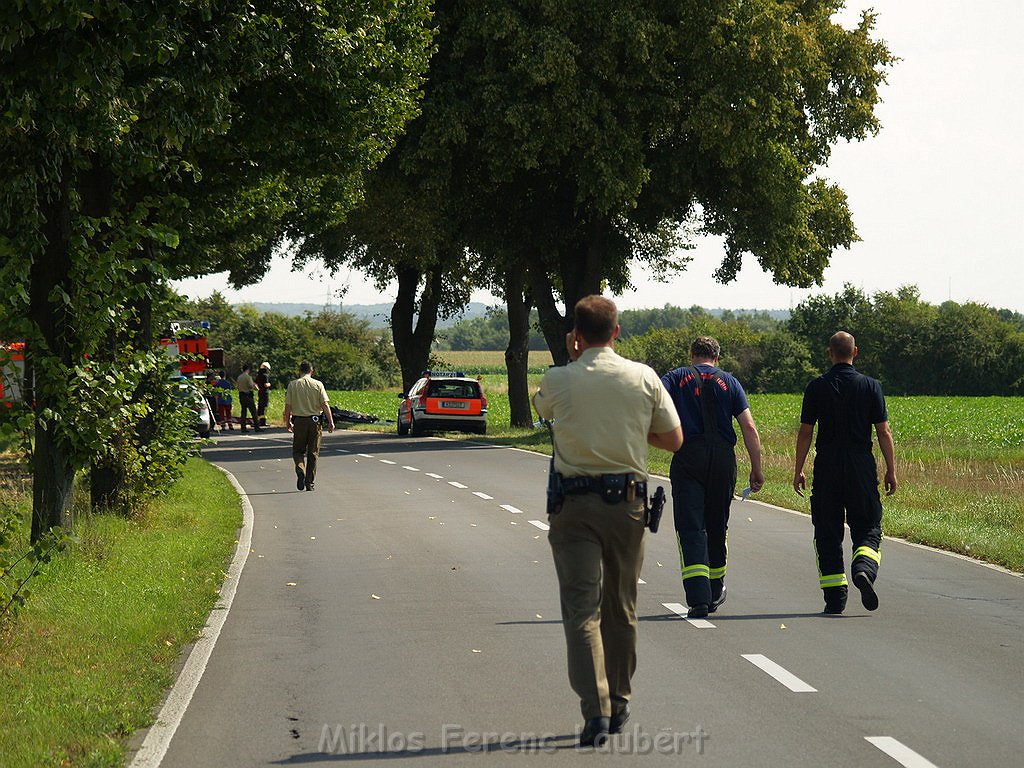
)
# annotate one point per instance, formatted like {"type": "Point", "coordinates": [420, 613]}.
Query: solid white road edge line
{"type": "Point", "coordinates": [899, 752]}
{"type": "Point", "coordinates": [680, 610]}
{"type": "Point", "coordinates": [784, 676]}
{"type": "Point", "coordinates": [158, 739]}
{"type": "Point", "coordinates": [538, 524]}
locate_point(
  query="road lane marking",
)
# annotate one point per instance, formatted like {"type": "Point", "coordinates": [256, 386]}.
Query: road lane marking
{"type": "Point", "coordinates": [457, 485]}
{"type": "Point", "coordinates": [510, 508]}
{"type": "Point", "coordinates": [539, 524]}
{"type": "Point", "coordinates": [781, 674]}
{"type": "Point", "coordinates": [680, 610]}
{"type": "Point", "coordinates": [436, 477]}
{"type": "Point", "coordinates": [899, 752]}
{"type": "Point", "coordinates": [411, 469]}
{"type": "Point", "coordinates": [385, 461]}
{"type": "Point", "coordinates": [342, 450]}
{"type": "Point", "coordinates": [365, 455]}
{"type": "Point", "coordinates": [158, 739]}
{"type": "Point", "coordinates": [640, 581]}
{"type": "Point", "coordinates": [482, 495]}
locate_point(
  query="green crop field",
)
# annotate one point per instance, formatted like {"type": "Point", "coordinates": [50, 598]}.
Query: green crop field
{"type": "Point", "coordinates": [960, 461]}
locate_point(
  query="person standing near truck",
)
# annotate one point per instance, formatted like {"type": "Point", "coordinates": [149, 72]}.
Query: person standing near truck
{"type": "Point", "coordinates": [246, 397]}
{"type": "Point", "coordinates": [262, 393]}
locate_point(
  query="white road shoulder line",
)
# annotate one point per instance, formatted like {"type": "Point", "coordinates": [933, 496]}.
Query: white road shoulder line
{"type": "Point", "coordinates": [158, 739]}
{"type": "Point", "coordinates": [457, 485]}
{"type": "Point", "coordinates": [482, 495]}
{"type": "Point", "coordinates": [540, 524]}
{"type": "Point", "coordinates": [680, 610]}
{"type": "Point", "coordinates": [510, 508]}
{"type": "Point", "coordinates": [781, 674]}
{"type": "Point", "coordinates": [899, 752]}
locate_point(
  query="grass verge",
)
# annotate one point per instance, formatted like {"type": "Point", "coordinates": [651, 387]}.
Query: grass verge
{"type": "Point", "coordinates": [89, 657]}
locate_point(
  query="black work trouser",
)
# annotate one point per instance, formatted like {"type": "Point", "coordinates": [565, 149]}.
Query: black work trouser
{"type": "Point", "coordinates": [703, 479]}
{"type": "Point", "coordinates": [247, 403]}
{"type": "Point", "coordinates": [263, 400]}
{"type": "Point", "coordinates": [845, 489]}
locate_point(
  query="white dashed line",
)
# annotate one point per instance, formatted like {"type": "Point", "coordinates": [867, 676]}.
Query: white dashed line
{"type": "Point", "coordinates": [365, 455]}
{"type": "Point", "coordinates": [680, 610]}
{"type": "Point", "coordinates": [510, 508]}
{"type": "Point", "coordinates": [482, 495]}
{"type": "Point", "coordinates": [342, 450]}
{"type": "Point", "coordinates": [781, 674]}
{"type": "Point", "coordinates": [436, 477]}
{"type": "Point", "coordinates": [901, 753]}
{"type": "Point", "coordinates": [385, 461]}
{"type": "Point", "coordinates": [640, 581]}
{"type": "Point", "coordinates": [411, 469]}
{"type": "Point", "coordinates": [457, 485]}
{"type": "Point", "coordinates": [538, 524]}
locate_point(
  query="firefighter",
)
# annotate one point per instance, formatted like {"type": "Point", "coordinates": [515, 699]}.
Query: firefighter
{"type": "Point", "coordinates": [845, 404]}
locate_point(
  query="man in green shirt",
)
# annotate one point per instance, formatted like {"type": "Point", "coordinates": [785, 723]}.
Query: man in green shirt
{"type": "Point", "coordinates": [306, 407]}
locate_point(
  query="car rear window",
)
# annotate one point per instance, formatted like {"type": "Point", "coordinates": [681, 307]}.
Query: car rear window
{"type": "Point", "coordinates": [454, 389]}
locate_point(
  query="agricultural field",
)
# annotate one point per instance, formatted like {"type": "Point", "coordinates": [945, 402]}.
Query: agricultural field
{"type": "Point", "coordinates": [960, 462]}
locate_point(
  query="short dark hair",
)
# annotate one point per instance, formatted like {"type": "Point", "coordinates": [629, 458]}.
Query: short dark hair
{"type": "Point", "coordinates": [246, 367]}
{"type": "Point", "coordinates": [306, 367]}
{"type": "Point", "coordinates": [706, 348]}
{"type": "Point", "coordinates": [595, 318]}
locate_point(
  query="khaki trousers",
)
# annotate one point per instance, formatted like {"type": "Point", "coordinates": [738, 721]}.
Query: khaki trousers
{"type": "Point", "coordinates": [598, 550]}
{"type": "Point", "coordinates": [306, 446]}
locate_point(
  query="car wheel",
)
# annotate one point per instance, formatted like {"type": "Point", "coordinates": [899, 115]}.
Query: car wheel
{"type": "Point", "coordinates": [403, 429]}
{"type": "Point", "coordinates": [415, 428]}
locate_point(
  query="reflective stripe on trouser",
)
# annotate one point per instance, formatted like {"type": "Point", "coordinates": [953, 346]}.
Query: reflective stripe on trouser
{"type": "Point", "coordinates": [703, 481]}
{"type": "Point", "coordinates": [845, 489]}
{"type": "Point", "coordinates": [306, 446]}
{"type": "Point", "coordinates": [598, 550]}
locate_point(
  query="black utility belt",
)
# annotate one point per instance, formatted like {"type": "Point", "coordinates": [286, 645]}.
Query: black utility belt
{"type": "Point", "coordinates": [314, 418]}
{"type": "Point", "coordinates": [611, 488]}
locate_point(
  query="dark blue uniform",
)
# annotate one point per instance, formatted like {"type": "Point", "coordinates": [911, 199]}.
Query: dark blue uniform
{"type": "Point", "coordinates": [845, 404]}
{"type": "Point", "coordinates": [703, 474]}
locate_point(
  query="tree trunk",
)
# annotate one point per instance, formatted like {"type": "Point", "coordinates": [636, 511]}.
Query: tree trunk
{"type": "Point", "coordinates": [581, 268]}
{"type": "Point", "coordinates": [517, 354]}
{"type": "Point", "coordinates": [412, 343]}
{"type": "Point", "coordinates": [53, 471]}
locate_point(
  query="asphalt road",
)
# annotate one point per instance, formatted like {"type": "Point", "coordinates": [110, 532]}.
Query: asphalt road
{"type": "Point", "coordinates": [407, 611]}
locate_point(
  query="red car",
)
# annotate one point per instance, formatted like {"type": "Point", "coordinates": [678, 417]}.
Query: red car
{"type": "Point", "coordinates": [443, 401]}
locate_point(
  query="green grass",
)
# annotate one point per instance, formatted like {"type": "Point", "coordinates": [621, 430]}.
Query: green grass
{"type": "Point", "coordinates": [88, 659]}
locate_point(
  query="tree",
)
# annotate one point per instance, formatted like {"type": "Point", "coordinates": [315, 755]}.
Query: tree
{"type": "Point", "coordinates": [130, 129]}
{"type": "Point", "coordinates": [594, 131]}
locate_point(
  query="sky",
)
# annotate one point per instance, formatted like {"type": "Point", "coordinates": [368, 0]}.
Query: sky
{"type": "Point", "coordinates": [937, 196]}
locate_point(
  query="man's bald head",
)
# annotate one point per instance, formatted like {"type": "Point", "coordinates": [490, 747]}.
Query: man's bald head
{"type": "Point", "coordinates": [842, 347]}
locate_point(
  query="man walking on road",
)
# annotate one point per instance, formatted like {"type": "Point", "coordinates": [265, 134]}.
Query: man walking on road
{"type": "Point", "coordinates": [246, 400]}
{"type": "Point", "coordinates": [703, 471]}
{"type": "Point", "coordinates": [604, 411]}
{"type": "Point", "coordinates": [845, 403]}
{"type": "Point", "coordinates": [305, 408]}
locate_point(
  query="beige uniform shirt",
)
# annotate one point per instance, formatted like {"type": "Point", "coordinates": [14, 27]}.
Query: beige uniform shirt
{"type": "Point", "coordinates": [244, 383]}
{"type": "Point", "coordinates": [306, 396]}
{"type": "Point", "coordinates": [602, 406]}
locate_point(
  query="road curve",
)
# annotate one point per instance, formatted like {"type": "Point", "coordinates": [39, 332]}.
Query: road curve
{"type": "Point", "coordinates": [407, 611]}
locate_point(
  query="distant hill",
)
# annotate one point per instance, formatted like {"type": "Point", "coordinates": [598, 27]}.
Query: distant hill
{"type": "Point", "coordinates": [376, 314]}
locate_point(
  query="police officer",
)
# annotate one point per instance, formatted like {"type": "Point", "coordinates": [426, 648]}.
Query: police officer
{"type": "Point", "coordinates": [246, 400]}
{"type": "Point", "coordinates": [306, 407]}
{"type": "Point", "coordinates": [604, 411]}
{"type": "Point", "coordinates": [845, 403]}
{"type": "Point", "coordinates": [703, 471]}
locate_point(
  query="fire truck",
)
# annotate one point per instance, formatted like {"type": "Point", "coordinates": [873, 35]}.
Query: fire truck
{"type": "Point", "coordinates": [12, 371]}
